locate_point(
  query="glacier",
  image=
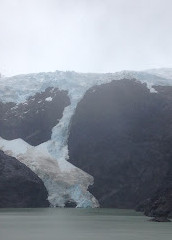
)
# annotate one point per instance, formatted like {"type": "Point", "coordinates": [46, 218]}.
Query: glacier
{"type": "Point", "coordinates": [61, 185]}
{"type": "Point", "coordinates": [18, 88]}
{"type": "Point", "coordinates": [161, 72]}
{"type": "Point", "coordinates": [49, 160]}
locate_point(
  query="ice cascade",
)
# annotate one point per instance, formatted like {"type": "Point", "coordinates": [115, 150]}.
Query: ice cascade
{"type": "Point", "coordinates": [61, 185]}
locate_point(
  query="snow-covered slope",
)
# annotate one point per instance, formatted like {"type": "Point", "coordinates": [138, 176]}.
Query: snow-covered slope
{"type": "Point", "coordinates": [49, 160]}
{"type": "Point", "coordinates": [161, 72]}
{"type": "Point", "coordinates": [19, 88]}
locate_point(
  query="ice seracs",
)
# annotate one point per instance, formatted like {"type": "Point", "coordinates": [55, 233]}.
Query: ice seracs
{"type": "Point", "coordinates": [19, 88]}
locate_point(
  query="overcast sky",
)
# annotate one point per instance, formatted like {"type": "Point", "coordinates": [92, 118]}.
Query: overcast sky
{"type": "Point", "coordinates": [84, 35]}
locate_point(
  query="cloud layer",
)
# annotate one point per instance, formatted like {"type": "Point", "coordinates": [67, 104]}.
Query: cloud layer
{"type": "Point", "coordinates": [84, 35]}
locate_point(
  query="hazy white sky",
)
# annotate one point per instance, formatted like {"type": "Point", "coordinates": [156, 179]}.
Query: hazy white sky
{"type": "Point", "coordinates": [84, 35]}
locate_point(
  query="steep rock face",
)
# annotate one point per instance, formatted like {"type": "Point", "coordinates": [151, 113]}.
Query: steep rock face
{"type": "Point", "coordinates": [34, 119]}
{"type": "Point", "coordinates": [160, 204]}
{"type": "Point", "coordinates": [19, 186]}
{"type": "Point", "coordinates": [121, 134]}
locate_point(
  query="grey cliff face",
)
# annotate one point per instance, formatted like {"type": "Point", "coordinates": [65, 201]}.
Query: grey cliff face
{"type": "Point", "coordinates": [121, 134]}
{"type": "Point", "coordinates": [19, 186]}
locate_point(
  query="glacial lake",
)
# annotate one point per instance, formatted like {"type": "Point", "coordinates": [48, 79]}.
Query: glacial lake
{"type": "Point", "coordinates": [79, 224]}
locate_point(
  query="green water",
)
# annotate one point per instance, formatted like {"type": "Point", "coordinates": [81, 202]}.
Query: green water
{"type": "Point", "coordinates": [79, 224]}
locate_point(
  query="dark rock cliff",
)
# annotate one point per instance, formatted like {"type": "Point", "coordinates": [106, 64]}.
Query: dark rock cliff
{"type": "Point", "coordinates": [160, 204]}
{"type": "Point", "coordinates": [121, 134]}
{"type": "Point", "coordinates": [34, 119]}
{"type": "Point", "coordinates": [19, 186]}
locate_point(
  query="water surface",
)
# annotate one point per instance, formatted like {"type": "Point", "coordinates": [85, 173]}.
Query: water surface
{"type": "Point", "coordinates": [79, 224]}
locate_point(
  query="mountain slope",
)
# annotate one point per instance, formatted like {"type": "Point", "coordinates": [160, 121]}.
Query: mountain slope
{"type": "Point", "coordinates": [33, 119]}
{"type": "Point", "coordinates": [38, 108]}
{"type": "Point", "coordinates": [19, 186]}
{"type": "Point", "coordinates": [121, 134]}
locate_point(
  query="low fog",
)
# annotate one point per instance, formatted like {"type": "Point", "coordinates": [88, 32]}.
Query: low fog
{"type": "Point", "coordinates": [84, 35]}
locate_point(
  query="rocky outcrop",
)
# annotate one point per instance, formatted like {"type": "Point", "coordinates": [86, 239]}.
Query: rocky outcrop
{"type": "Point", "coordinates": [19, 186]}
{"type": "Point", "coordinates": [33, 119]}
{"type": "Point", "coordinates": [70, 204]}
{"type": "Point", "coordinates": [121, 134]}
{"type": "Point", "coordinates": [159, 206]}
